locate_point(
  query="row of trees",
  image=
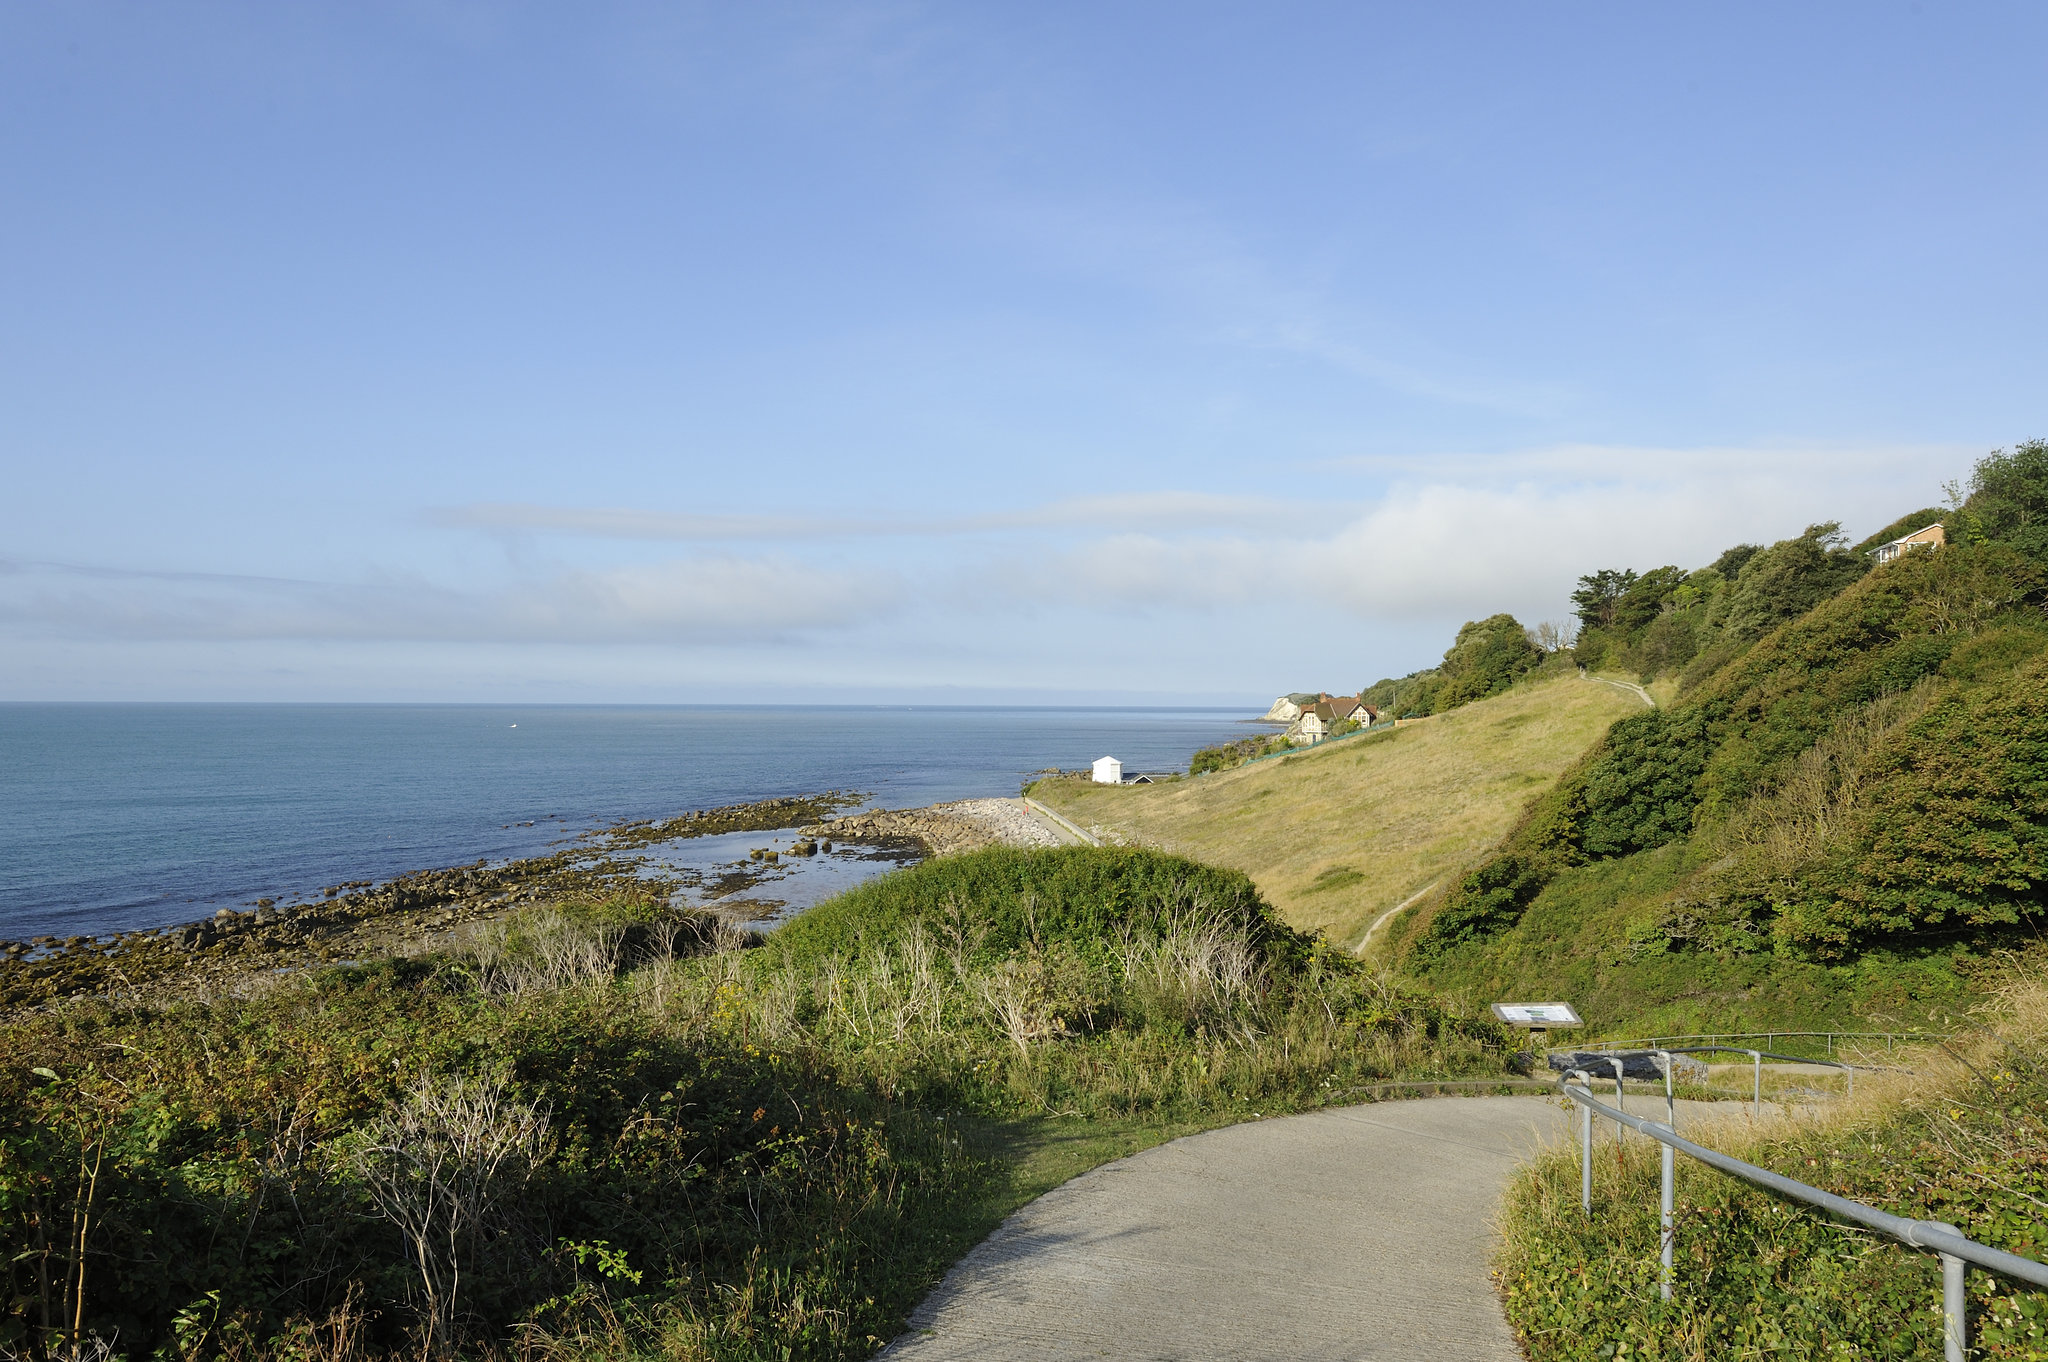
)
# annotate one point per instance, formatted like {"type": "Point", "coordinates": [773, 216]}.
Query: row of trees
{"type": "Point", "coordinates": [1669, 621]}
{"type": "Point", "coordinates": [1488, 656]}
{"type": "Point", "coordinates": [1673, 622]}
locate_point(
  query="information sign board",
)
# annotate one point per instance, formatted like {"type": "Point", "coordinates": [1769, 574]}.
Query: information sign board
{"type": "Point", "coordinates": [1540, 1015]}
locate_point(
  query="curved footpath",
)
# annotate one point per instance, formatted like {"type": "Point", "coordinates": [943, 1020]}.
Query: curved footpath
{"type": "Point", "coordinates": [1362, 1232]}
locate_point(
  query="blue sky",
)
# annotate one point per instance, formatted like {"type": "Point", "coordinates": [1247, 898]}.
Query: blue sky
{"type": "Point", "coordinates": [1029, 352]}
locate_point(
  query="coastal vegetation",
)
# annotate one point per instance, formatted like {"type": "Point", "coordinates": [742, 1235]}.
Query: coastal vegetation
{"type": "Point", "coordinates": [1961, 1140]}
{"type": "Point", "coordinates": [605, 1127]}
{"type": "Point", "coordinates": [1229, 756]}
{"type": "Point", "coordinates": [1336, 836]}
{"type": "Point", "coordinates": [1486, 658]}
{"type": "Point", "coordinates": [1843, 817]}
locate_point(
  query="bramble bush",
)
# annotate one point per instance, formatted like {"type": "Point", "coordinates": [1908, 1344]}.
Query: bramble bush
{"type": "Point", "coordinates": [567, 1139]}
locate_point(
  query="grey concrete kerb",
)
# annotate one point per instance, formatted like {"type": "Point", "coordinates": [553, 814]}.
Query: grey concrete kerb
{"type": "Point", "coordinates": [1357, 1233]}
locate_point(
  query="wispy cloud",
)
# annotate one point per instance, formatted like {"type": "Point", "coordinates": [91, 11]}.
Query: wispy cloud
{"type": "Point", "coordinates": [680, 602]}
{"type": "Point", "coordinates": [1181, 510]}
{"type": "Point", "coordinates": [1440, 539]}
{"type": "Point", "coordinates": [1201, 270]}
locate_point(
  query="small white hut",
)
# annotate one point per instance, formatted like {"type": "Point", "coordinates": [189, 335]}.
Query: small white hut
{"type": "Point", "coordinates": [1109, 771]}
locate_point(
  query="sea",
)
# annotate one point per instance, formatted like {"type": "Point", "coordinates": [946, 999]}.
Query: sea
{"type": "Point", "coordinates": [121, 817]}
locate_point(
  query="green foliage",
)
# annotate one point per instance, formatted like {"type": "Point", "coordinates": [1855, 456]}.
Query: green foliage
{"type": "Point", "coordinates": [1231, 755]}
{"type": "Point", "coordinates": [1486, 901]}
{"type": "Point", "coordinates": [1489, 656]}
{"type": "Point", "coordinates": [1085, 897]}
{"type": "Point", "coordinates": [1645, 599]}
{"type": "Point", "coordinates": [1955, 830]}
{"type": "Point", "coordinates": [1599, 595]}
{"type": "Point", "coordinates": [1756, 1275]}
{"type": "Point", "coordinates": [1640, 792]}
{"type": "Point", "coordinates": [2008, 500]}
{"type": "Point", "coordinates": [1731, 560]}
{"type": "Point", "coordinates": [769, 1153]}
{"type": "Point", "coordinates": [1412, 697]}
{"type": "Point", "coordinates": [1865, 777]}
{"type": "Point", "coordinates": [1787, 579]}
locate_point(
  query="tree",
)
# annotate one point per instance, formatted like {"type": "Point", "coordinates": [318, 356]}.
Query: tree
{"type": "Point", "coordinates": [1644, 600]}
{"type": "Point", "coordinates": [1598, 595]}
{"type": "Point", "coordinates": [1788, 579]}
{"type": "Point", "coordinates": [2008, 499]}
{"type": "Point", "coordinates": [1731, 560]}
{"type": "Point", "coordinates": [1488, 657]}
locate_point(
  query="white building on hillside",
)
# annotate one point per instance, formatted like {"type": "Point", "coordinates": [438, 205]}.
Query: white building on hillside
{"type": "Point", "coordinates": [1109, 771]}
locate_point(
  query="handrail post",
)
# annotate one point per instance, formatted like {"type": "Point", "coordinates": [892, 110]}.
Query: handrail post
{"type": "Point", "coordinates": [1663, 1058]}
{"type": "Point", "coordinates": [1620, 1099]}
{"type": "Point", "coordinates": [1668, 1235]}
{"type": "Point", "coordinates": [1585, 1147]}
{"type": "Point", "coordinates": [1955, 1325]}
{"type": "Point", "coordinates": [1756, 1109]}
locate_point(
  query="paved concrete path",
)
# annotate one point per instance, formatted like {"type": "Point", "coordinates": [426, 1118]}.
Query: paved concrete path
{"type": "Point", "coordinates": [1358, 1233]}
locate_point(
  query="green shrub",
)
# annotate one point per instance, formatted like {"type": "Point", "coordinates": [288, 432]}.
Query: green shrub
{"type": "Point", "coordinates": [1231, 755]}
{"type": "Point", "coordinates": [1641, 791]}
{"type": "Point", "coordinates": [2008, 500]}
{"type": "Point", "coordinates": [767, 1153]}
{"type": "Point", "coordinates": [1489, 656]}
{"type": "Point", "coordinates": [1760, 1276]}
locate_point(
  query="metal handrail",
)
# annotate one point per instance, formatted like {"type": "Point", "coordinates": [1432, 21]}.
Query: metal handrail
{"type": "Point", "coordinates": [1890, 1038]}
{"type": "Point", "coordinates": [1757, 1058]}
{"type": "Point", "coordinates": [1956, 1250]}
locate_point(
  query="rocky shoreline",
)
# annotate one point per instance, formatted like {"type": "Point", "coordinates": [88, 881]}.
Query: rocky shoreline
{"type": "Point", "coordinates": [429, 909]}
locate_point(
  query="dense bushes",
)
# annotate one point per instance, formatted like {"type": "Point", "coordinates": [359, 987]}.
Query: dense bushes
{"type": "Point", "coordinates": [233, 1201]}
{"type": "Point", "coordinates": [1758, 1275]}
{"type": "Point", "coordinates": [1487, 657]}
{"type": "Point", "coordinates": [2008, 500]}
{"type": "Point", "coordinates": [1231, 755]}
{"type": "Point", "coordinates": [1665, 621]}
{"type": "Point", "coordinates": [1641, 790]}
{"type": "Point", "coordinates": [567, 1140]}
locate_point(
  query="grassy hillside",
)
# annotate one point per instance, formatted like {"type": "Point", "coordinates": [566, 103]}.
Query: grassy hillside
{"type": "Point", "coordinates": [1337, 835]}
{"type": "Point", "coordinates": [1844, 823]}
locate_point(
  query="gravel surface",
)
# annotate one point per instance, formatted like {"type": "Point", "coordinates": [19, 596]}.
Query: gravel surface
{"type": "Point", "coordinates": [1007, 820]}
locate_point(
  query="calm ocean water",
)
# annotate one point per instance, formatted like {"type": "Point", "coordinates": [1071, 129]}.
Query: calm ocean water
{"type": "Point", "coordinates": [126, 816]}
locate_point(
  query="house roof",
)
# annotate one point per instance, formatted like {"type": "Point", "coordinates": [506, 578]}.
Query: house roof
{"type": "Point", "coordinates": [1925, 534]}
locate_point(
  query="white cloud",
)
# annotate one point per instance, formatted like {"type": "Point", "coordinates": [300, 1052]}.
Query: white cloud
{"type": "Point", "coordinates": [1460, 549]}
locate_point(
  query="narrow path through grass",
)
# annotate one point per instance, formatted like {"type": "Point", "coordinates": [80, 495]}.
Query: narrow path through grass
{"type": "Point", "coordinates": [1337, 836]}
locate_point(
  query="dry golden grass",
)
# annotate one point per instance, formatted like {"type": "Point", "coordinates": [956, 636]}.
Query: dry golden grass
{"type": "Point", "coordinates": [1338, 835]}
